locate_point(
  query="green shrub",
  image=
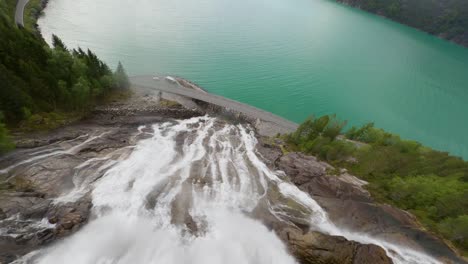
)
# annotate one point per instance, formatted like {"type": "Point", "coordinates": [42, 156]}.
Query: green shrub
{"type": "Point", "coordinates": [333, 128]}
{"type": "Point", "coordinates": [431, 184]}
{"type": "Point", "coordinates": [456, 229]}
{"type": "Point", "coordinates": [318, 136]}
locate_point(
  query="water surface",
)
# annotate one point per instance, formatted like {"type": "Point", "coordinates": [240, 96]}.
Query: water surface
{"type": "Point", "coordinates": [291, 57]}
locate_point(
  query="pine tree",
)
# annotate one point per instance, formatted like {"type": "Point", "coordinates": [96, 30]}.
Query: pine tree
{"type": "Point", "coordinates": [58, 43]}
{"type": "Point", "coordinates": [121, 77]}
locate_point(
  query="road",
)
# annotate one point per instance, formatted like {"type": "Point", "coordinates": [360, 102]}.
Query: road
{"type": "Point", "coordinates": [168, 86]}
{"type": "Point", "coordinates": [19, 12]}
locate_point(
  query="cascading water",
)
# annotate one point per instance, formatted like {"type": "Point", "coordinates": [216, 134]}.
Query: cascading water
{"type": "Point", "coordinates": [185, 195]}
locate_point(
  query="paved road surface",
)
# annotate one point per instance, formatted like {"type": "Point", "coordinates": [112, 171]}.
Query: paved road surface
{"type": "Point", "coordinates": [165, 85]}
{"type": "Point", "coordinates": [19, 12]}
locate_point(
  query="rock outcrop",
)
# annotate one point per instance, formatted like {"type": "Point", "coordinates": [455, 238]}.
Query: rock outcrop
{"type": "Point", "coordinates": [317, 248]}
{"type": "Point", "coordinates": [30, 215]}
{"type": "Point", "coordinates": [351, 207]}
{"type": "Point", "coordinates": [33, 216]}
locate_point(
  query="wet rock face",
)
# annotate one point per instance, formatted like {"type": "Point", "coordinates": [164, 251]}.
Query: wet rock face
{"type": "Point", "coordinates": [311, 176]}
{"type": "Point", "coordinates": [38, 225]}
{"type": "Point", "coordinates": [350, 206]}
{"type": "Point", "coordinates": [30, 222]}
{"type": "Point", "coordinates": [69, 217]}
{"type": "Point", "coordinates": [29, 219]}
{"type": "Point", "coordinates": [311, 247]}
{"type": "Point", "coordinates": [317, 248]}
{"type": "Point", "coordinates": [270, 153]}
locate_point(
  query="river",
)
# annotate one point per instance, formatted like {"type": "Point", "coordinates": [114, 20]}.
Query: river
{"type": "Point", "coordinates": [291, 57]}
{"type": "Point", "coordinates": [187, 193]}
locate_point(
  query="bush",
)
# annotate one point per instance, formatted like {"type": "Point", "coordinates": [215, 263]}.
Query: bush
{"type": "Point", "coordinates": [325, 126]}
{"type": "Point", "coordinates": [318, 136]}
{"type": "Point", "coordinates": [456, 229]}
{"type": "Point", "coordinates": [431, 184]}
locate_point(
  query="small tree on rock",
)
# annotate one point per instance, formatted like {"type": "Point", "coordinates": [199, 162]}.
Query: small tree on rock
{"type": "Point", "coordinates": [58, 43]}
{"type": "Point", "coordinates": [121, 77]}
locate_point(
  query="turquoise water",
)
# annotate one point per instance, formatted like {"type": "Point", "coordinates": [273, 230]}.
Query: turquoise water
{"type": "Point", "coordinates": [291, 57]}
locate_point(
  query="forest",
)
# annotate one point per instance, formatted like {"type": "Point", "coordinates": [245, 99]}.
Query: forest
{"type": "Point", "coordinates": [432, 185]}
{"type": "Point", "coordinates": [445, 18]}
{"type": "Point", "coordinates": [42, 84]}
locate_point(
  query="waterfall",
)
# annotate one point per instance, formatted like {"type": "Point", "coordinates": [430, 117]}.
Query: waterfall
{"type": "Point", "coordinates": [185, 194]}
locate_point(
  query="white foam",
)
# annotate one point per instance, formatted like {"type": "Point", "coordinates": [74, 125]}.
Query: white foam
{"type": "Point", "coordinates": [142, 202]}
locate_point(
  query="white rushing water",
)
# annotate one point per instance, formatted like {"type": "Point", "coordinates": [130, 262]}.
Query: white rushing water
{"type": "Point", "coordinates": [183, 195]}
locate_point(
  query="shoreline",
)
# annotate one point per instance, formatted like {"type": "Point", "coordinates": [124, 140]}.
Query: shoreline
{"type": "Point", "coordinates": [176, 104]}
{"type": "Point", "coordinates": [460, 40]}
{"type": "Point", "coordinates": [417, 131]}
{"type": "Point", "coordinates": [267, 123]}
{"type": "Point", "coordinates": [19, 16]}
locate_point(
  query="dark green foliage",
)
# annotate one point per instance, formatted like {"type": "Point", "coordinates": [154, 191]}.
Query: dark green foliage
{"type": "Point", "coordinates": [456, 229]}
{"type": "Point", "coordinates": [326, 126]}
{"type": "Point", "coordinates": [318, 136]}
{"type": "Point", "coordinates": [5, 142]}
{"type": "Point", "coordinates": [36, 79]}
{"type": "Point", "coordinates": [7, 9]}
{"type": "Point", "coordinates": [431, 184]}
{"type": "Point", "coordinates": [363, 134]}
{"type": "Point", "coordinates": [57, 43]}
{"type": "Point", "coordinates": [121, 77]}
{"type": "Point", "coordinates": [441, 203]}
{"type": "Point", "coordinates": [447, 18]}
{"type": "Point", "coordinates": [333, 128]}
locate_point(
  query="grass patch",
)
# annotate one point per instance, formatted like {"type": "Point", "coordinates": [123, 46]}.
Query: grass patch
{"type": "Point", "coordinates": [116, 96]}
{"type": "Point", "coordinates": [52, 120]}
{"type": "Point", "coordinates": [47, 121]}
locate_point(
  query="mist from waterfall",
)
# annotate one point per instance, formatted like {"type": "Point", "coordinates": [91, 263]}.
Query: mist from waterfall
{"type": "Point", "coordinates": [186, 194]}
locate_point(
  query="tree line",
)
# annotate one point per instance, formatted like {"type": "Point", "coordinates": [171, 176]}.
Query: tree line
{"type": "Point", "coordinates": [36, 78]}
{"type": "Point", "coordinates": [445, 18]}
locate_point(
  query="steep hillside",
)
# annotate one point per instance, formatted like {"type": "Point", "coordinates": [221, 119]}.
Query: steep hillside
{"type": "Point", "coordinates": [447, 19]}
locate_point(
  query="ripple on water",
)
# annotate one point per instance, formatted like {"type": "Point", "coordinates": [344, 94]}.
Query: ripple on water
{"type": "Point", "coordinates": [293, 58]}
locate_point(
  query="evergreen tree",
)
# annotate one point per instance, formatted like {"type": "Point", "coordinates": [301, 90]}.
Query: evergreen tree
{"type": "Point", "coordinates": [121, 77]}
{"type": "Point", "coordinates": [81, 93]}
{"type": "Point", "coordinates": [58, 43]}
{"type": "Point", "coordinates": [36, 79]}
